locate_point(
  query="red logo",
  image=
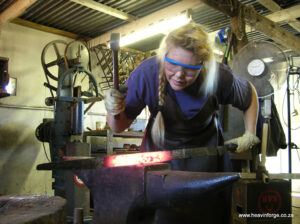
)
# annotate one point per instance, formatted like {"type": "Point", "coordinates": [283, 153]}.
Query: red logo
{"type": "Point", "coordinates": [269, 201]}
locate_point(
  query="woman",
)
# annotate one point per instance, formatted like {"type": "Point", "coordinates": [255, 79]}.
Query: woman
{"type": "Point", "coordinates": [182, 88]}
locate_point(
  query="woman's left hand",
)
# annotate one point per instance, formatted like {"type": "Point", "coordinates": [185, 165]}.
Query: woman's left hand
{"type": "Point", "coordinates": [245, 142]}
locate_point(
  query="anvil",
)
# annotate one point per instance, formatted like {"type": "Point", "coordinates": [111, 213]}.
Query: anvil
{"type": "Point", "coordinates": [125, 187]}
{"type": "Point", "coordinates": [126, 194]}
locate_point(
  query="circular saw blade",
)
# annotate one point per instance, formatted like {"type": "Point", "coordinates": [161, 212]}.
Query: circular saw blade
{"type": "Point", "coordinates": [262, 63]}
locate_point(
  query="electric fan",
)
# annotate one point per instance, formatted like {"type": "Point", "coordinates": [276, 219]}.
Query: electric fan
{"type": "Point", "coordinates": [264, 64]}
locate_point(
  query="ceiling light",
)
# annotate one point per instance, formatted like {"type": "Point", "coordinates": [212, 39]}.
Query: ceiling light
{"type": "Point", "coordinates": [161, 27]}
{"type": "Point", "coordinates": [218, 52]}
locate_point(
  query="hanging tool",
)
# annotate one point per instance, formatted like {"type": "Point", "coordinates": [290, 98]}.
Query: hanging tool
{"type": "Point", "coordinates": [114, 46]}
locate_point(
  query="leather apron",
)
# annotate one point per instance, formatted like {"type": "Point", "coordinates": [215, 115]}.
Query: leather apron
{"type": "Point", "coordinates": [200, 131]}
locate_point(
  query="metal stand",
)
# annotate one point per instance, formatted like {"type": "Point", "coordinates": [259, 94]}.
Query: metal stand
{"type": "Point", "coordinates": [266, 113]}
{"type": "Point", "coordinates": [292, 70]}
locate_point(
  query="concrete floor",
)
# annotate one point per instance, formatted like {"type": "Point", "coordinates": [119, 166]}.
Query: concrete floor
{"type": "Point", "coordinates": [296, 213]}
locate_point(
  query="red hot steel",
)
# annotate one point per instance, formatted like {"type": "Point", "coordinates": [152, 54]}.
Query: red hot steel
{"type": "Point", "coordinates": [137, 159]}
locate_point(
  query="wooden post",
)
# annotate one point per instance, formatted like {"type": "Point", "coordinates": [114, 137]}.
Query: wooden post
{"type": "Point", "coordinates": [257, 21]}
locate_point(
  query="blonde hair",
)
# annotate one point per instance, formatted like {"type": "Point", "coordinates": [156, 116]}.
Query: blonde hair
{"type": "Point", "coordinates": [190, 37]}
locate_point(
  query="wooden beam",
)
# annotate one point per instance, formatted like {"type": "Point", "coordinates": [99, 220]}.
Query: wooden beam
{"type": "Point", "coordinates": [239, 37]}
{"type": "Point", "coordinates": [151, 19]}
{"type": "Point", "coordinates": [285, 14]}
{"type": "Point", "coordinates": [36, 26]}
{"type": "Point", "coordinates": [273, 7]}
{"type": "Point", "coordinates": [295, 24]}
{"type": "Point", "coordinates": [259, 22]}
{"type": "Point", "coordinates": [105, 9]}
{"type": "Point", "coordinates": [15, 10]}
{"type": "Point", "coordinates": [277, 33]}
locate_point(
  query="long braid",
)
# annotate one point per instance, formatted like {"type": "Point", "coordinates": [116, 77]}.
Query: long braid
{"type": "Point", "coordinates": [161, 87]}
{"type": "Point", "coordinates": [158, 128]}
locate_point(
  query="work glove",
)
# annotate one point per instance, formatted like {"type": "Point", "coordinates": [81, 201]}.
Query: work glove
{"type": "Point", "coordinates": [245, 142]}
{"type": "Point", "coordinates": [114, 101]}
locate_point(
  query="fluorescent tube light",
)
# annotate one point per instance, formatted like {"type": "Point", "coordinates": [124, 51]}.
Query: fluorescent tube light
{"type": "Point", "coordinates": [218, 52]}
{"type": "Point", "coordinates": [162, 27]}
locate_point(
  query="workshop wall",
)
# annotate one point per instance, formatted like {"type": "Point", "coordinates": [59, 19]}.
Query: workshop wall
{"type": "Point", "coordinates": [20, 115]}
{"type": "Point", "coordinates": [20, 151]}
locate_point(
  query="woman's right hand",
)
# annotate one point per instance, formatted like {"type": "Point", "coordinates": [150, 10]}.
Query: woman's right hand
{"type": "Point", "coordinates": [114, 101]}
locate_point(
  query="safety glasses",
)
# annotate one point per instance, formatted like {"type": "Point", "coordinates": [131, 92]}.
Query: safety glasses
{"type": "Point", "coordinates": [174, 66]}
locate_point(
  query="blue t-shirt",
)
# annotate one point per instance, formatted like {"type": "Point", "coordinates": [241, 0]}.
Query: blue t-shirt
{"type": "Point", "coordinates": [142, 91]}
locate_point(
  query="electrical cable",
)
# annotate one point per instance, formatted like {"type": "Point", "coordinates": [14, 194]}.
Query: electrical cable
{"type": "Point", "coordinates": [45, 152]}
{"type": "Point", "coordinates": [282, 113]}
{"type": "Point", "coordinates": [266, 96]}
{"type": "Point", "coordinates": [298, 154]}
{"type": "Point", "coordinates": [44, 148]}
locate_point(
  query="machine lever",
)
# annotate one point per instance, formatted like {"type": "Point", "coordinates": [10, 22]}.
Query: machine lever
{"type": "Point", "coordinates": [50, 86]}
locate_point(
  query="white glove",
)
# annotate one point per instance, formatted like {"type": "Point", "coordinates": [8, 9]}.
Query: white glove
{"type": "Point", "coordinates": [245, 142]}
{"type": "Point", "coordinates": [114, 101]}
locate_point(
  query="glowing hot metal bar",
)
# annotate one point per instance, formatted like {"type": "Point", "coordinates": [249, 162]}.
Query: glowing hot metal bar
{"type": "Point", "coordinates": [135, 159]}
{"type": "Point", "coordinates": [147, 158]}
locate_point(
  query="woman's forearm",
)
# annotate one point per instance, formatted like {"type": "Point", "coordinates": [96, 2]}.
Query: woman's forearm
{"type": "Point", "coordinates": [250, 115]}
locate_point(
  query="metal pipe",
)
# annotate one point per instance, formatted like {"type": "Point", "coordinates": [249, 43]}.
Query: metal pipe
{"type": "Point", "coordinates": [24, 107]}
{"type": "Point", "coordinates": [288, 176]}
{"type": "Point", "coordinates": [289, 121]}
{"type": "Point", "coordinates": [78, 216]}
